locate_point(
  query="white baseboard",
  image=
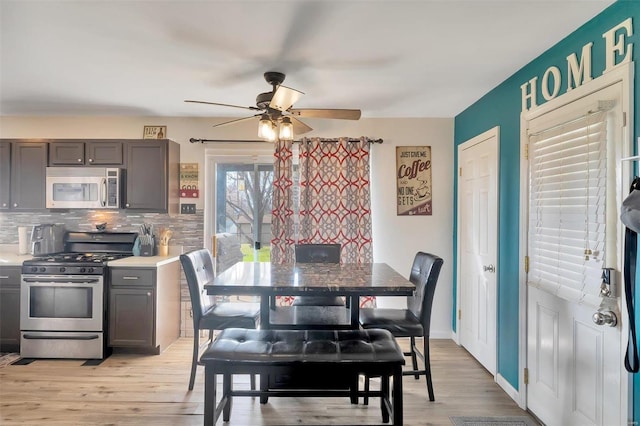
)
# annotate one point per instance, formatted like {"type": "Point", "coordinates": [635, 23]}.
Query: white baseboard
{"type": "Point", "coordinates": [510, 390]}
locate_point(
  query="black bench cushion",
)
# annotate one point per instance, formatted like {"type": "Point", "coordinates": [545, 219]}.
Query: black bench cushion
{"type": "Point", "coordinates": [400, 322]}
{"type": "Point", "coordinates": [286, 347]}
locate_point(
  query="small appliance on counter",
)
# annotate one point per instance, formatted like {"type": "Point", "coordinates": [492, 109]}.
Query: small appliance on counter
{"type": "Point", "coordinates": [47, 238]}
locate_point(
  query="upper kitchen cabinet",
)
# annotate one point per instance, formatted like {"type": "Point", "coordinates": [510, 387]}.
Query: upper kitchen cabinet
{"type": "Point", "coordinates": [5, 175]}
{"type": "Point", "coordinates": [86, 153]}
{"type": "Point", "coordinates": [27, 163]}
{"type": "Point", "coordinates": [152, 175]}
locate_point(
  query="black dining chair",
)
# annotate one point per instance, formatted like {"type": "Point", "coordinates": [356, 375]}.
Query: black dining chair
{"type": "Point", "coordinates": [207, 314]}
{"type": "Point", "coordinates": [318, 253]}
{"type": "Point", "coordinates": [411, 322]}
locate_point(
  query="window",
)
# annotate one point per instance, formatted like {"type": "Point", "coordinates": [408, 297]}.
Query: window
{"type": "Point", "coordinates": [568, 204]}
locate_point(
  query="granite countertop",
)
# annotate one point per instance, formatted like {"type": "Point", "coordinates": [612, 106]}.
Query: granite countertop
{"type": "Point", "coordinates": [9, 257]}
{"type": "Point", "coordinates": [144, 261]}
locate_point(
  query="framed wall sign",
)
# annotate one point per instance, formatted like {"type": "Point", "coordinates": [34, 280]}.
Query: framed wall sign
{"type": "Point", "coordinates": [155, 132]}
{"type": "Point", "coordinates": [189, 180]}
{"type": "Point", "coordinates": [413, 180]}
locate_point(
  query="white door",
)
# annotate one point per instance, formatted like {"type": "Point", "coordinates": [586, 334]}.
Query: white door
{"type": "Point", "coordinates": [477, 246]}
{"type": "Point", "coordinates": [574, 366]}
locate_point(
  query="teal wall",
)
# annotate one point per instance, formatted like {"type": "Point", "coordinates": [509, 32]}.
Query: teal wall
{"type": "Point", "coordinates": [502, 107]}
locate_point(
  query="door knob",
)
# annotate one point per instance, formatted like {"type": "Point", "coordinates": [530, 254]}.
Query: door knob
{"type": "Point", "coordinates": [605, 318]}
{"type": "Point", "coordinates": [489, 268]}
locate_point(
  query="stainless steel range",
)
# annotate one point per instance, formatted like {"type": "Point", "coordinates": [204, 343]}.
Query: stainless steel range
{"type": "Point", "coordinates": [62, 308]}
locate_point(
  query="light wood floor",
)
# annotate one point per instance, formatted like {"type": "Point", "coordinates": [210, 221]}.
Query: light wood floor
{"type": "Point", "coordinates": [131, 389]}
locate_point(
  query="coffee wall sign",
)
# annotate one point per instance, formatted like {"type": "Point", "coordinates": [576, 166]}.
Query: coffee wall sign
{"type": "Point", "coordinates": [413, 177]}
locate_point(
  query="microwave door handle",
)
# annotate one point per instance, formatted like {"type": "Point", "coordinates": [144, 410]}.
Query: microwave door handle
{"type": "Point", "coordinates": [103, 192]}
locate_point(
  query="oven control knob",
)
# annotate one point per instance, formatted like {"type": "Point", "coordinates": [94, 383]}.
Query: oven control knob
{"type": "Point", "coordinates": [34, 269]}
{"type": "Point", "coordinates": [90, 270]}
{"type": "Point", "coordinates": [83, 270]}
{"type": "Point", "coordinates": [43, 269]}
{"type": "Point", "coordinates": [63, 269]}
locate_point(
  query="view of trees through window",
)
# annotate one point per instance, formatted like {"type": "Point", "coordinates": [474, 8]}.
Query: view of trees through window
{"type": "Point", "coordinates": [244, 200]}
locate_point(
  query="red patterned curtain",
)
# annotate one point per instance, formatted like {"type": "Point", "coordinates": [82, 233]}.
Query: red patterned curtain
{"type": "Point", "coordinates": [282, 219]}
{"type": "Point", "coordinates": [335, 203]}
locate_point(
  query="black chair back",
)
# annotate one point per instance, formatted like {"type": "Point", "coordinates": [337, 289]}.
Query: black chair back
{"type": "Point", "coordinates": [424, 274]}
{"type": "Point", "coordinates": [318, 253]}
{"type": "Point", "coordinates": [198, 268]}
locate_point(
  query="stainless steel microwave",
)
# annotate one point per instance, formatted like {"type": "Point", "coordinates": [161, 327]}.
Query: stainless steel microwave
{"type": "Point", "coordinates": [83, 188]}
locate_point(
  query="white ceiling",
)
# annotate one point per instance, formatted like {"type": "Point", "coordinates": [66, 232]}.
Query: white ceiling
{"type": "Point", "coordinates": [390, 58]}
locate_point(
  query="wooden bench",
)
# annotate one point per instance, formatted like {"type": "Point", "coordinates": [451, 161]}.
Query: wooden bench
{"type": "Point", "coordinates": [314, 355]}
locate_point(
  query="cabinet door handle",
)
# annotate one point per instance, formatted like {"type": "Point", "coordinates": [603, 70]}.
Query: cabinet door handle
{"type": "Point", "coordinates": [4, 277]}
{"type": "Point", "coordinates": [91, 160]}
{"type": "Point", "coordinates": [149, 293]}
{"type": "Point", "coordinates": [15, 204]}
{"type": "Point", "coordinates": [129, 278]}
{"type": "Point", "coordinates": [79, 160]}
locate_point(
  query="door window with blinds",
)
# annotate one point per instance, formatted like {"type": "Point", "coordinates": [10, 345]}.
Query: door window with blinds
{"type": "Point", "coordinates": [569, 160]}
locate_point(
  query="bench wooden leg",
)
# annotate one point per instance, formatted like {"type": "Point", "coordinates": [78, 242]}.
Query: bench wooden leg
{"type": "Point", "coordinates": [397, 397]}
{"type": "Point", "coordinates": [366, 390]}
{"type": "Point", "coordinates": [384, 397]}
{"type": "Point", "coordinates": [264, 386]}
{"type": "Point", "coordinates": [354, 389]}
{"type": "Point", "coordinates": [227, 386]}
{"type": "Point", "coordinates": [209, 396]}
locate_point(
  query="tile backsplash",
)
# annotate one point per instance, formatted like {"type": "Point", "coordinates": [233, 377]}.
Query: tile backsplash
{"type": "Point", "coordinates": [188, 232]}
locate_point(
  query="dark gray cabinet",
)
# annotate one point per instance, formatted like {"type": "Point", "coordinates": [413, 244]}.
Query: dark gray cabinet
{"type": "Point", "coordinates": [10, 308]}
{"type": "Point", "coordinates": [86, 153]}
{"type": "Point", "coordinates": [152, 176]}
{"type": "Point", "coordinates": [144, 307]}
{"type": "Point", "coordinates": [5, 175]}
{"type": "Point", "coordinates": [28, 174]}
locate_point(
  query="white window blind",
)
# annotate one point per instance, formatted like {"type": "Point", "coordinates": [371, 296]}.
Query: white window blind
{"type": "Point", "coordinates": [567, 206]}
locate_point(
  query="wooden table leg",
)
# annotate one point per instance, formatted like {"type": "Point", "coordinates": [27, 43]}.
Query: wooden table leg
{"type": "Point", "coordinates": [355, 312]}
{"type": "Point", "coordinates": [264, 312]}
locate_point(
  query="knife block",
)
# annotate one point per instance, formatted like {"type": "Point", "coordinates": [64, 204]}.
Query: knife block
{"type": "Point", "coordinates": [148, 249]}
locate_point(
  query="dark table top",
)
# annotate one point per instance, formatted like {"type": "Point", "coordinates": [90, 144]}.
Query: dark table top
{"type": "Point", "coordinates": [264, 278]}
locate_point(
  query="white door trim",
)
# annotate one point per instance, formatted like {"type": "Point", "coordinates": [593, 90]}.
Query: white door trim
{"type": "Point", "coordinates": [622, 74]}
{"type": "Point", "coordinates": [227, 153]}
{"type": "Point", "coordinates": [491, 133]}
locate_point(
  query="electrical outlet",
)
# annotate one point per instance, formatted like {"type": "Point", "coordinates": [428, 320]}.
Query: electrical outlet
{"type": "Point", "coordinates": [187, 208]}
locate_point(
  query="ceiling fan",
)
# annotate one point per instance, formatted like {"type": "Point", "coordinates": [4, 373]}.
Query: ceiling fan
{"type": "Point", "coordinates": [277, 117]}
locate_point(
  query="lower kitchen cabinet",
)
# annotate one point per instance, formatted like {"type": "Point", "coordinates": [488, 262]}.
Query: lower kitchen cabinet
{"type": "Point", "coordinates": [10, 308]}
{"type": "Point", "coordinates": [144, 307]}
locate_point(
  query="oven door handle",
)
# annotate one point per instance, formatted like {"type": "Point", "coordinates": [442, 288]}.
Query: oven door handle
{"type": "Point", "coordinates": [56, 337]}
{"type": "Point", "coordinates": [61, 280]}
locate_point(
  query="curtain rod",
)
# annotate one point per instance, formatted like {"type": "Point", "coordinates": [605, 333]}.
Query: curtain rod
{"type": "Point", "coordinates": [194, 140]}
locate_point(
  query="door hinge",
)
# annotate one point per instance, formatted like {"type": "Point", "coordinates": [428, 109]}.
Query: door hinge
{"type": "Point", "coordinates": [526, 151]}
{"type": "Point", "coordinates": [459, 314]}
{"type": "Point", "coordinates": [526, 264]}
{"type": "Point", "coordinates": [460, 172]}
{"type": "Point", "coordinates": [526, 376]}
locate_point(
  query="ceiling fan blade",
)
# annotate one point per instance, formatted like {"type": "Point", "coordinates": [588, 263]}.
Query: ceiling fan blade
{"type": "Point", "coordinates": [343, 114]}
{"type": "Point", "coordinates": [284, 97]}
{"type": "Point", "coordinates": [299, 127]}
{"type": "Point", "coordinates": [226, 105]}
{"type": "Point", "coordinates": [237, 120]}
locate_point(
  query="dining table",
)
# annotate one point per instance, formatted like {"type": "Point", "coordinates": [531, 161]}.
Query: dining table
{"type": "Point", "coordinates": [351, 280]}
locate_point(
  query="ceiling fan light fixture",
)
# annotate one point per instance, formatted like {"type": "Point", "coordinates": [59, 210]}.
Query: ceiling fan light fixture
{"type": "Point", "coordinates": [265, 127]}
{"type": "Point", "coordinates": [272, 133]}
{"type": "Point", "coordinates": [286, 129]}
